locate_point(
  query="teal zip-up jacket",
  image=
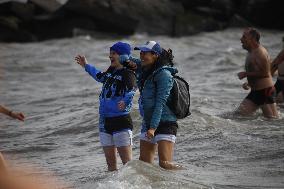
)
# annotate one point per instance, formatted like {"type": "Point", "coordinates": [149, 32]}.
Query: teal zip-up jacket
{"type": "Point", "coordinates": [154, 94]}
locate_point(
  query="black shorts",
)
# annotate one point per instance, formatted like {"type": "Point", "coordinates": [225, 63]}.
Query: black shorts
{"type": "Point", "coordinates": [279, 86]}
{"type": "Point", "coordinates": [168, 127]}
{"type": "Point", "coordinates": [263, 96]}
{"type": "Point", "coordinates": [119, 123]}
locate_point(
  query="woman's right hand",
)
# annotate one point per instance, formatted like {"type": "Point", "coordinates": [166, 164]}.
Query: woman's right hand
{"type": "Point", "coordinates": [81, 60]}
{"type": "Point", "coordinates": [246, 86]}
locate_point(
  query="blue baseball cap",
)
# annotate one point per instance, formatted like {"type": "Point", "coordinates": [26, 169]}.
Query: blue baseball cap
{"type": "Point", "coordinates": [150, 46]}
{"type": "Point", "coordinates": [121, 48]}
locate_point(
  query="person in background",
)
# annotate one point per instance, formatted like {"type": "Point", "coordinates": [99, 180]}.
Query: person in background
{"type": "Point", "coordinates": [278, 65]}
{"type": "Point", "coordinates": [258, 74]}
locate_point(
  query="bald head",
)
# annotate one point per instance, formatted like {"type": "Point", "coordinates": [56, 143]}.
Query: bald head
{"type": "Point", "coordinates": [253, 33]}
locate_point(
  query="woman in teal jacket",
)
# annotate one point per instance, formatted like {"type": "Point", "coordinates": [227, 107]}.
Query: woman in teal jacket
{"type": "Point", "coordinates": [155, 81]}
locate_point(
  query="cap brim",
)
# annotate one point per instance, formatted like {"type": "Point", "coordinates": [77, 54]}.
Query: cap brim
{"type": "Point", "coordinates": [144, 49]}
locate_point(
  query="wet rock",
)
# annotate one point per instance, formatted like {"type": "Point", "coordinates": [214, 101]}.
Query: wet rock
{"type": "Point", "coordinates": [190, 23]}
{"type": "Point", "coordinates": [239, 21]}
{"type": "Point", "coordinates": [49, 5]}
{"type": "Point", "coordinates": [263, 13]}
{"type": "Point", "coordinates": [59, 26]}
{"type": "Point", "coordinates": [191, 4]}
{"type": "Point", "coordinates": [11, 32]}
{"type": "Point", "coordinates": [129, 16]}
{"type": "Point", "coordinates": [24, 11]}
{"type": "Point", "coordinates": [103, 15]}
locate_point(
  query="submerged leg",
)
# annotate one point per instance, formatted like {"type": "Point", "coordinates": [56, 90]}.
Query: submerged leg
{"type": "Point", "coordinates": [165, 152]}
{"type": "Point", "coordinates": [247, 108]}
{"type": "Point", "coordinates": [110, 154]}
{"type": "Point", "coordinates": [125, 153]}
{"type": "Point", "coordinates": [147, 151]}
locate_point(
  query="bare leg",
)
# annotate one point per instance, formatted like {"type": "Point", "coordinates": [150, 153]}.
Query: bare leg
{"type": "Point", "coordinates": [279, 98]}
{"type": "Point", "coordinates": [247, 108]}
{"type": "Point", "coordinates": [125, 153]}
{"type": "Point", "coordinates": [147, 151]}
{"type": "Point", "coordinates": [269, 110]}
{"type": "Point", "coordinates": [110, 154]}
{"type": "Point", "coordinates": [3, 167]}
{"type": "Point", "coordinates": [165, 152]}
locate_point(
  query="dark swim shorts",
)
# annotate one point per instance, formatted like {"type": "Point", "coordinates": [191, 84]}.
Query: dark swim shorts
{"type": "Point", "coordinates": [263, 96]}
{"type": "Point", "coordinates": [168, 127]}
{"type": "Point", "coordinates": [279, 86]}
{"type": "Point", "coordinates": [119, 123]}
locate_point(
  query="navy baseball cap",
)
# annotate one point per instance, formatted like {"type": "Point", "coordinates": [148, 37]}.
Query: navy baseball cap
{"type": "Point", "coordinates": [150, 46]}
{"type": "Point", "coordinates": [121, 48]}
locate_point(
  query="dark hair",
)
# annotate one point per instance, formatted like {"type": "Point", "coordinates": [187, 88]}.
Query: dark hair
{"type": "Point", "coordinates": [165, 58]}
{"type": "Point", "coordinates": [129, 66]}
{"type": "Point", "coordinates": [254, 33]}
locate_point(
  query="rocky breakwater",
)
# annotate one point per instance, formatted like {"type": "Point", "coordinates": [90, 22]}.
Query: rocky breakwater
{"type": "Point", "coordinates": [34, 20]}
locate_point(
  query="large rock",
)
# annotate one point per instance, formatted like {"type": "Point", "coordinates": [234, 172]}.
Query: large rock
{"type": "Point", "coordinates": [221, 10]}
{"type": "Point", "coordinates": [60, 25]}
{"type": "Point", "coordinates": [190, 23]}
{"type": "Point", "coordinates": [25, 11]}
{"type": "Point", "coordinates": [20, 1]}
{"type": "Point", "coordinates": [11, 32]}
{"type": "Point", "coordinates": [129, 16]}
{"type": "Point", "coordinates": [191, 4]}
{"type": "Point", "coordinates": [49, 5]}
{"type": "Point", "coordinates": [263, 13]}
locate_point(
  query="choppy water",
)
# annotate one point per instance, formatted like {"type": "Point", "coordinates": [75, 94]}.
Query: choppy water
{"type": "Point", "coordinates": [61, 104]}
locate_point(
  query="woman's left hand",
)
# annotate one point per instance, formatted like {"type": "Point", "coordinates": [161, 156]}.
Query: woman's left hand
{"type": "Point", "coordinates": [150, 133]}
{"type": "Point", "coordinates": [121, 105]}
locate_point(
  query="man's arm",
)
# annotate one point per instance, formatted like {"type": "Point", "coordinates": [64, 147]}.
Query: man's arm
{"type": "Point", "coordinates": [278, 60]}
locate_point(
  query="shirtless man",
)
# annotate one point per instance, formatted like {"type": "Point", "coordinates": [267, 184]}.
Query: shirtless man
{"type": "Point", "coordinates": [258, 74]}
{"type": "Point", "coordinates": [278, 64]}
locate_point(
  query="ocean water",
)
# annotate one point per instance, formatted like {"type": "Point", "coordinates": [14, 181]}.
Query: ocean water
{"type": "Point", "coordinates": [60, 101]}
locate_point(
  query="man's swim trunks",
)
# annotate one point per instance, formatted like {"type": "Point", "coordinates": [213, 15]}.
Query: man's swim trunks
{"type": "Point", "coordinates": [263, 96]}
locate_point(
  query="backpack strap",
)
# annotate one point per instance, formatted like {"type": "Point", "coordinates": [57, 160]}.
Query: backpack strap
{"type": "Point", "coordinates": [155, 83]}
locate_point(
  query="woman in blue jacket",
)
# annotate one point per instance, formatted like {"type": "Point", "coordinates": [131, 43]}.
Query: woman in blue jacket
{"type": "Point", "coordinates": [155, 81]}
{"type": "Point", "coordinates": [119, 85]}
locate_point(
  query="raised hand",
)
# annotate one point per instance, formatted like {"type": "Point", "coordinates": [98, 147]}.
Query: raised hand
{"type": "Point", "coordinates": [81, 60]}
{"type": "Point", "coordinates": [121, 105]}
{"type": "Point", "coordinates": [246, 86]}
{"type": "Point", "coordinates": [150, 133]}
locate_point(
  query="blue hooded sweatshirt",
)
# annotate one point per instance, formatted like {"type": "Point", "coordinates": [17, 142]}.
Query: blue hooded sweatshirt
{"type": "Point", "coordinates": [118, 85]}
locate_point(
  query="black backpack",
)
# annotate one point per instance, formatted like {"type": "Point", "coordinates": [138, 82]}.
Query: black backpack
{"type": "Point", "coordinates": [179, 103]}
